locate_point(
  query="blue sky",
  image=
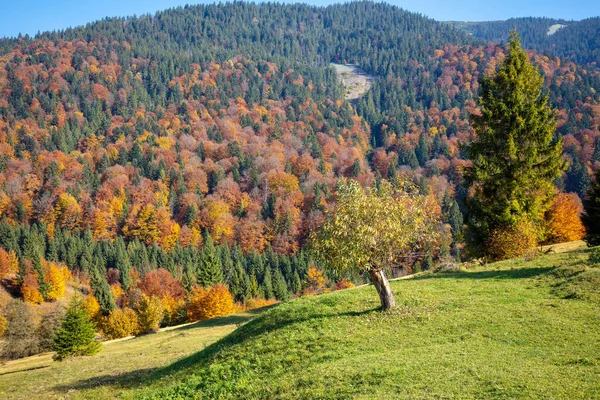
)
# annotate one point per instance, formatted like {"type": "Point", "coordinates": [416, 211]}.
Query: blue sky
{"type": "Point", "coordinates": [31, 16]}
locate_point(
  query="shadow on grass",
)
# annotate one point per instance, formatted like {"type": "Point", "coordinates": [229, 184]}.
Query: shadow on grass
{"type": "Point", "coordinates": [255, 327]}
{"type": "Point", "coordinates": [24, 370]}
{"type": "Point", "coordinates": [518, 273]}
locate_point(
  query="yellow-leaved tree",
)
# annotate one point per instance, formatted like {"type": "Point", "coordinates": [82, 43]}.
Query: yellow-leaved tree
{"type": "Point", "coordinates": [375, 229]}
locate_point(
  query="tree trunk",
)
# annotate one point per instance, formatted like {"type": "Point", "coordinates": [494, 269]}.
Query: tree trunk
{"type": "Point", "coordinates": [383, 289]}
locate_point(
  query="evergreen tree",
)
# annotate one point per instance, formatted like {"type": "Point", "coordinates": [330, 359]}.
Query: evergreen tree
{"type": "Point", "coordinates": [254, 288]}
{"type": "Point", "coordinates": [356, 168]}
{"type": "Point", "coordinates": [296, 283]}
{"type": "Point", "coordinates": [209, 269]}
{"type": "Point", "coordinates": [591, 216]}
{"type": "Point", "coordinates": [102, 292]}
{"type": "Point", "coordinates": [453, 216]}
{"type": "Point", "coordinates": [515, 155]}
{"type": "Point", "coordinates": [75, 337]}
{"type": "Point", "coordinates": [123, 264]}
{"type": "Point", "coordinates": [266, 286]}
{"type": "Point", "coordinates": [280, 288]}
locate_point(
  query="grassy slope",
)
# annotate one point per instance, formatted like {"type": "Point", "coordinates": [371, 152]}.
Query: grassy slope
{"type": "Point", "coordinates": [514, 329]}
{"type": "Point", "coordinates": [121, 365]}
{"type": "Point", "coordinates": [510, 330]}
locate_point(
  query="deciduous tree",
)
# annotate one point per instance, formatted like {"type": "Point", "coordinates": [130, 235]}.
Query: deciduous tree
{"type": "Point", "coordinates": [373, 230]}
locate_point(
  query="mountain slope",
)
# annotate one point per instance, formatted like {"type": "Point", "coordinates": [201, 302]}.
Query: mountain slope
{"type": "Point", "coordinates": [514, 329]}
{"type": "Point", "coordinates": [578, 41]}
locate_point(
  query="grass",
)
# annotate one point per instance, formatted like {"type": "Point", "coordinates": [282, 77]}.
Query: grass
{"type": "Point", "coordinates": [515, 329]}
{"type": "Point", "coordinates": [121, 366]}
{"type": "Point", "coordinates": [507, 330]}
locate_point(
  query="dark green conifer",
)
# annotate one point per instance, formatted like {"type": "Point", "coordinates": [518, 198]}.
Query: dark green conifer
{"type": "Point", "coordinates": [209, 269]}
{"type": "Point", "coordinates": [591, 216]}
{"type": "Point", "coordinates": [515, 155]}
{"type": "Point", "coordinates": [75, 336]}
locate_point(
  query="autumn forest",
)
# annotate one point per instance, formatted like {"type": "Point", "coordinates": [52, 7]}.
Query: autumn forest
{"type": "Point", "coordinates": [171, 167]}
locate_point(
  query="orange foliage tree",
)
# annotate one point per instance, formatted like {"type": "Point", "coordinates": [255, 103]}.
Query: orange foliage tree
{"type": "Point", "coordinates": [92, 307]}
{"type": "Point", "coordinates": [315, 281]}
{"type": "Point", "coordinates": [56, 276]}
{"type": "Point", "coordinates": [30, 289]}
{"type": "Point", "coordinates": [564, 224]}
{"type": "Point", "coordinates": [161, 283]}
{"type": "Point", "coordinates": [9, 263]}
{"type": "Point", "coordinates": [204, 304]}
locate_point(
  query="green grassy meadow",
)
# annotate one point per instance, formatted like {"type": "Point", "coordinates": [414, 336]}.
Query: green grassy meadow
{"type": "Point", "coordinates": [119, 367]}
{"type": "Point", "coordinates": [511, 330]}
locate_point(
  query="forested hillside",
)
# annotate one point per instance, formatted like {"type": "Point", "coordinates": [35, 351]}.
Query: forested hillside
{"type": "Point", "coordinates": [578, 41]}
{"type": "Point", "coordinates": [208, 140]}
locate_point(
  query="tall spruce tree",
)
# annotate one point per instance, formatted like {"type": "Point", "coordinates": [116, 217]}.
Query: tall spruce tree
{"type": "Point", "coordinates": [515, 156]}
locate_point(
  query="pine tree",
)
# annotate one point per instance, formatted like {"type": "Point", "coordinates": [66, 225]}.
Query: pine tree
{"type": "Point", "coordinates": [515, 157]}
{"type": "Point", "coordinates": [254, 288]}
{"type": "Point", "coordinates": [267, 284]}
{"type": "Point", "coordinates": [453, 216]}
{"type": "Point", "coordinates": [296, 283]}
{"type": "Point", "coordinates": [356, 168]}
{"type": "Point", "coordinates": [123, 264]}
{"type": "Point", "coordinates": [101, 291]}
{"type": "Point", "coordinates": [280, 288]}
{"type": "Point", "coordinates": [209, 271]}
{"type": "Point", "coordinates": [75, 337]}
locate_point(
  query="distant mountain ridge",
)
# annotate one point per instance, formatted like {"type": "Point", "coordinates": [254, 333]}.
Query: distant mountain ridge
{"type": "Point", "coordinates": [578, 41]}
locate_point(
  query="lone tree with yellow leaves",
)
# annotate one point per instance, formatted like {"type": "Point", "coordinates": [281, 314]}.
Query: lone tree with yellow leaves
{"type": "Point", "coordinates": [375, 229]}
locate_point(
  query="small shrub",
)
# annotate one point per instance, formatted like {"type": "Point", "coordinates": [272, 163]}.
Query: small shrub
{"type": "Point", "coordinates": [594, 257]}
{"type": "Point", "coordinates": [447, 264]}
{"type": "Point", "coordinates": [512, 241]}
{"type": "Point", "coordinates": [343, 284]}
{"type": "Point", "coordinates": [417, 268]}
{"type": "Point", "coordinates": [75, 336]}
{"type": "Point", "coordinates": [258, 303]}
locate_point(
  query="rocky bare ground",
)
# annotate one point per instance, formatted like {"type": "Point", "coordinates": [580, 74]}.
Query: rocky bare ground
{"type": "Point", "coordinates": [354, 79]}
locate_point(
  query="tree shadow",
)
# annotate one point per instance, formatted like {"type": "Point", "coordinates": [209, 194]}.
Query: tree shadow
{"type": "Point", "coordinates": [147, 376]}
{"type": "Point", "coordinates": [504, 274]}
{"type": "Point", "coordinates": [24, 370]}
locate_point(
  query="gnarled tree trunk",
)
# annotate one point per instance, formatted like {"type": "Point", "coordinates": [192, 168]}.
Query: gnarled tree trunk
{"type": "Point", "coordinates": [383, 289]}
